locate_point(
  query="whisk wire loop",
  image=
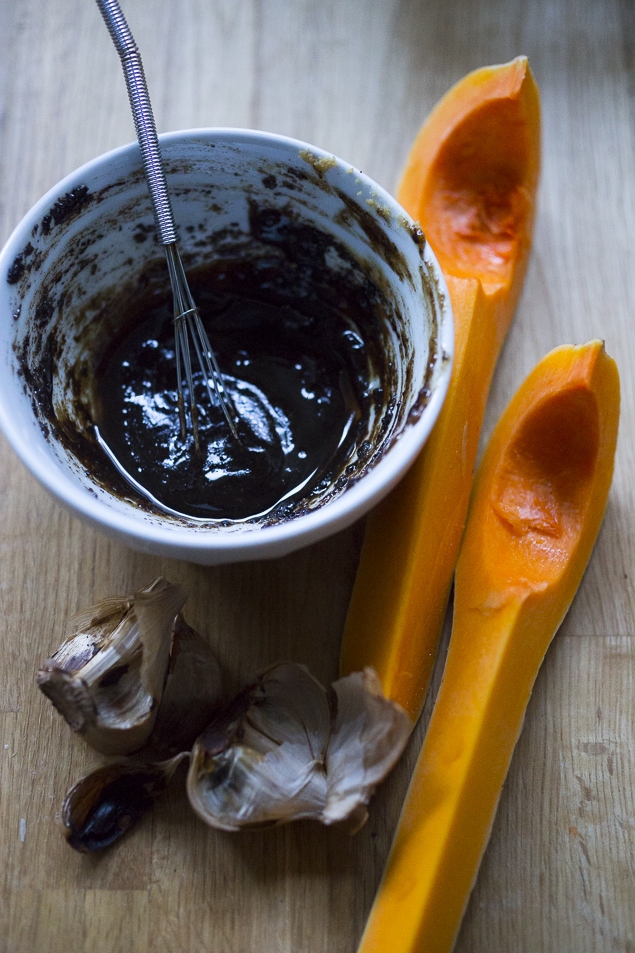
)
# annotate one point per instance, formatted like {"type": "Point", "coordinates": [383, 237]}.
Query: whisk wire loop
{"type": "Point", "coordinates": [188, 325]}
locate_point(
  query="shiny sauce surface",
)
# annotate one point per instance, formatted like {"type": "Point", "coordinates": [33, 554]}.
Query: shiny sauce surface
{"type": "Point", "coordinates": [298, 375]}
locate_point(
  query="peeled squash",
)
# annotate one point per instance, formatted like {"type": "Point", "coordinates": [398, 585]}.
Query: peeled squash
{"type": "Point", "coordinates": [471, 180]}
{"type": "Point", "coordinates": [538, 503]}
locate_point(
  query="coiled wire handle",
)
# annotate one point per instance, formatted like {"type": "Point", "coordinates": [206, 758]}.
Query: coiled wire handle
{"type": "Point", "coordinates": [143, 117]}
{"type": "Point", "coordinates": [187, 322]}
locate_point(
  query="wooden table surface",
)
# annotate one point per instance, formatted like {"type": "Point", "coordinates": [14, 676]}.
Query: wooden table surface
{"type": "Point", "coordinates": [356, 77]}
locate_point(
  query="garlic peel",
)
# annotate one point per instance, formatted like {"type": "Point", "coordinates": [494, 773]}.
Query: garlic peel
{"type": "Point", "coordinates": [366, 734]}
{"type": "Point", "coordinates": [286, 748]}
{"type": "Point", "coordinates": [107, 678]}
{"type": "Point", "coordinates": [255, 762]}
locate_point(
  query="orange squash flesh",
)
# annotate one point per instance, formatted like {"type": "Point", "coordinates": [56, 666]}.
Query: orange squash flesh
{"type": "Point", "coordinates": [537, 507]}
{"type": "Point", "coordinates": [403, 581]}
{"type": "Point", "coordinates": [471, 179]}
{"type": "Point", "coordinates": [412, 538]}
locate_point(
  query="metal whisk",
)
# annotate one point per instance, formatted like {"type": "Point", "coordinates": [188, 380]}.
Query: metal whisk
{"type": "Point", "coordinates": [187, 322]}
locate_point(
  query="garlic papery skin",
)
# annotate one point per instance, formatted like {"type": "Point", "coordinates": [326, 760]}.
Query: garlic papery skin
{"type": "Point", "coordinates": [280, 750]}
{"type": "Point", "coordinates": [368, 731]}
{"type": "Point", "coordinates": [107, 678]}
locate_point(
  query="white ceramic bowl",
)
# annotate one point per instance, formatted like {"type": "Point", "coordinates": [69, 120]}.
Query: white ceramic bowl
{"type": "Point", "coordinates": [78, 243]}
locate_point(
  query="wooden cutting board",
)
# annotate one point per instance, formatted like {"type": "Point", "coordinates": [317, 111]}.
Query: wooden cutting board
{"type": "Point", "coordinates": [357, 78]}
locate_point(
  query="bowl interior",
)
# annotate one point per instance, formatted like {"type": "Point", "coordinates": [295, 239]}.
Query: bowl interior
{"type": "Point", "coordinates": [233, 194]}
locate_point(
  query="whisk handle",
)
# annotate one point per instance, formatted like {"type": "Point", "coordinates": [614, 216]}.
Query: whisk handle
{"type": "Point", "coordinates": [143, 117]}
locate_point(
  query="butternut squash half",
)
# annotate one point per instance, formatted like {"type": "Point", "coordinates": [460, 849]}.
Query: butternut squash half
{"type": "Point", "coordinates": [538, 503]}
{"type": "Point", "coordinates": [471, 180]}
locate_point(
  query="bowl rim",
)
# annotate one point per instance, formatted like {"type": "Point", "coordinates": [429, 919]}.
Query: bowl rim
{"type": "Point", "coordinates": [326, 520]}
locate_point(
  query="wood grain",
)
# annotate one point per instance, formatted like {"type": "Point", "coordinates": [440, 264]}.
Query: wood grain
{"type": "Point", "coordinates": [356, 78]}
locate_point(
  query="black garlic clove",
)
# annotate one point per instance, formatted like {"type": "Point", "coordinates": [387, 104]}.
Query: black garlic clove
{"type": "Point", "coordinates": [106, 803]}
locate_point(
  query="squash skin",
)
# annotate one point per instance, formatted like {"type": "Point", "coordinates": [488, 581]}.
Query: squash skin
{"type": "Point", "coordinates": [412, 539]}
{"type": "Point", "coordinates": [504, 620]}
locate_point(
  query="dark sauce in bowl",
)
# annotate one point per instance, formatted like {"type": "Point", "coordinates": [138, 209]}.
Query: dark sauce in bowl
{"type": "Point", "coordinates": [299, 375]}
